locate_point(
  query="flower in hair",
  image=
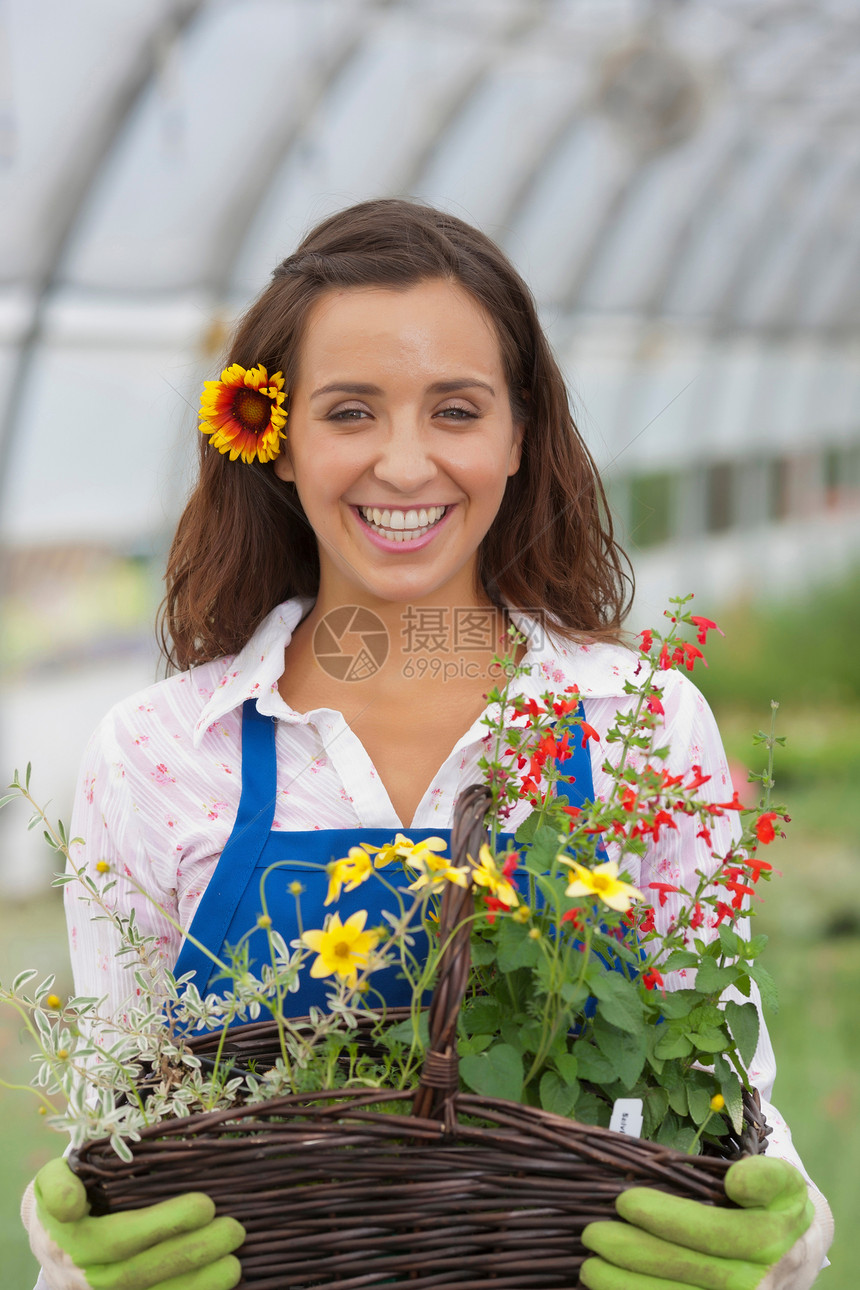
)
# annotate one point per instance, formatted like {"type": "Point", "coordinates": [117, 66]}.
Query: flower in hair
{"type": "Point", "coordinates": [242, 413]}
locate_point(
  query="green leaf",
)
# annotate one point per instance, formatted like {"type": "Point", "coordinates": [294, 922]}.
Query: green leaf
{"type": "Point", "coordinates": [474, 1044]}
{"type": "Point", "coordinates": [767, 986]}
{"type": "Point", "coordinates": [592, 1064]}
{"type": "Point", "coordinates": [22, 978]}
{"type": "Point", "coordinates": [568, 1067]}
{"type": "Point", "coordinates": [672, 1044]}
{"type": "Point", "coordinates": [699, 1103]}
{"type": "Point", "coordinates": [574, 993]}
{"type": "Point", "coordinates": [495, 1073]}
{"type": "Point", "coordinates": [730, 941]}
{"type": "Point", "coordinates": [730, 1087]}
{"type": "Point", "coordinates": [515, 948]}
{"type": "Point", "coordinates": [709, 1039]}
{"type": "Point", "coordinates": [711, 979]}
{"type": "Point", "coordinates": [673, 1081]}
{"type": "Point", "coordinates": [482, 1017]}
{"type": "Point", "coordinates": [526, 831]}
{"type": "Point", "coordinates": [556, 1095]}
{"type": "Point", "coordinates": [755, 946]}
{"type": "Point", "coordinates": [626, 1052]}
{"type": "Point", "coordinates": [678, 1003]}
{"type": "Point", "coordinates": [618, 1000]}
{"type": "Point", "coordinates": [4, 801]}
{"type": "Point", "coordinates": [744, 1026]}
{"type": "Point", "coordinates": [591, 1109]}
{"type": "Point", "coordinates": [655, 1104]}
{"type": "Point", "coordinates": [679, 959]}
{"type": "Point", "coordinates": [482, 951]}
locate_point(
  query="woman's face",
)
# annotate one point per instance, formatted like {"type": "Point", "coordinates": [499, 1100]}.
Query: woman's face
{"type": "Point", "coordinates": [400, 440]}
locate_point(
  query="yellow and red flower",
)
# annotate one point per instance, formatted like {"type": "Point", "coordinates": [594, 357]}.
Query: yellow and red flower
{"type": "Point", "coordinates": [242, 413]}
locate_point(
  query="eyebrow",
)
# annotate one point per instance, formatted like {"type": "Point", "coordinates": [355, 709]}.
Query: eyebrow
{"type": "Point", "coordinates": [438, 387]}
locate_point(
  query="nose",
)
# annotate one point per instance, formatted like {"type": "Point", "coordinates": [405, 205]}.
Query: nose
{"type": "Point", "coordinates": [404, 460]}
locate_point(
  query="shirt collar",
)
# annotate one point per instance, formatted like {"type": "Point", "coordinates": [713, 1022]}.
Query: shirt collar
{"type": "Point", "coordinates": [597, 668]}
{"type": "Point", "coordinates": [254, 672]}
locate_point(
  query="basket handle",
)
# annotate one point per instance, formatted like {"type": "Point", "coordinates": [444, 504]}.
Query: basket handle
{"type": "Point", "coordinates": [439, 1081]}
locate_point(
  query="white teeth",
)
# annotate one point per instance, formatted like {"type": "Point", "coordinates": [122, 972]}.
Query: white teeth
{"type": "Point", "coordinates": [403, 526]}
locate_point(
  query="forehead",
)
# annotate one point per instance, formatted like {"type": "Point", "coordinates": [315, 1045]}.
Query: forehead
{"type": "Point", "coordinates": [425, 329]}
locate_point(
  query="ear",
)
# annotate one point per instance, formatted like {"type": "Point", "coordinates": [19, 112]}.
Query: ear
{"type": "Point", "coordinates": [516, 448]}
{"type": "Point", "coordinates": [283, 465]}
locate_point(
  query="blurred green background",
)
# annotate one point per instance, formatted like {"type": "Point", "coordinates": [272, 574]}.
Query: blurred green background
{"type": "Point", "coordinates": [803, 654]}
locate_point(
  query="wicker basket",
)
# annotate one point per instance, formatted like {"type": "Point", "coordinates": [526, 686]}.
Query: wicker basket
{"type": "Point", "coordinates": [455, 1190]}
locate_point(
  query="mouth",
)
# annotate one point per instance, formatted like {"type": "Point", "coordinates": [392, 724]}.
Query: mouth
{"type": "Point", "coordinates": [400, 525]}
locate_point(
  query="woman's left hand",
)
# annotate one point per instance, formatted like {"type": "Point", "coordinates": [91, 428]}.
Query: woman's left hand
{"type": "Point", "coordinates": [669, 1243]}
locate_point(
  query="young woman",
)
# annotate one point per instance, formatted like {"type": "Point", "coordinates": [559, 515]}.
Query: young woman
{"type": "Point", "coordinates": [427, 488]}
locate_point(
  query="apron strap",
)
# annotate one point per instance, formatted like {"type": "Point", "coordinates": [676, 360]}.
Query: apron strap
{"type": "Point", "coordinates": [578, 765]}
{"type": "Point", "coordinates": [239, 857]}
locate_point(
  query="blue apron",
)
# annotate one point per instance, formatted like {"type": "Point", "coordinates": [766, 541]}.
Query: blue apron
{"type": "Point", "coordinates": [231, 903]}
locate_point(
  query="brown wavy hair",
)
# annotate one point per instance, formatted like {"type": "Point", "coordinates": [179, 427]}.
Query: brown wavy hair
{"type": "Point", "coordinates": [244, 544]}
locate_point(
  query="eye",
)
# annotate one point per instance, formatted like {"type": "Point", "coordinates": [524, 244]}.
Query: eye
{"type": "Point", "coordinates": [457, 413]}
{"type": "Point", "coordinates": [347, 414]}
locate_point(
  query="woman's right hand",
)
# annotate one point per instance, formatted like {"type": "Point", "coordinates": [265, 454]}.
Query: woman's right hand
{"type": "Point", "coordinates": [177, 1244]}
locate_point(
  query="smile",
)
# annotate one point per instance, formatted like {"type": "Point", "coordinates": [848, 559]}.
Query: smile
{"type": "Point", "coordinates": [401, 526]}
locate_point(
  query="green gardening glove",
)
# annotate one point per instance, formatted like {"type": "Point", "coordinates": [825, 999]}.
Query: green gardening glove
{"type": "Point", "coordinates": [178, 1244]}
{"type": "Point", "coordinates": [669, 1243]}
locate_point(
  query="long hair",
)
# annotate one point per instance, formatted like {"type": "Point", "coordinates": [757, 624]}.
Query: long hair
{"type": "Point", "coordinates": [244, 544]}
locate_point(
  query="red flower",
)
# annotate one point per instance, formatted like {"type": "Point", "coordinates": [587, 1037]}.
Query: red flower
{"type": "Point", "coordinates": [756, 866]}
{"type": "Point", "coordinates": [704, 626]}
{"type": "Point", "coordinates": [661, 819]}
{"type": "Point", "coordinates": [664, 662]}
{"type": "Point", "coordinates": [663, 888]}
{"type": "Point", "coordinates": [705, 834]}
{"type": "Point", "coordinates": [687, 654]}
{"type": "Point", "coordinates": [628, 799]}
{"type": "Point", "coordinates": [512, 861]}
{"type": "Point", "coordinates": [698, 778]}
{"type": "Point", "coordinates": [573, 811]}
{"type": "Point", "coordinates": [765, 831]}
{"type": "Point", "coordinates": [651, 978]}
{"type": "Point", "coordinates": [734, 805]}
{"type": "Point", "coordinates": [574, 917]}
{"type": "Point", "coordinates": [588, 732]}
{"type": "Point", "coordinates": [723, 911]}
{"type": "Point", "coordinates": [740, 890]}
{"type": "Point", "coordinates": [494, 905]}
{"type": "Point", "coordinates": [646, 923]}
{"type": "Point", "coordinates": [698, 917]}
{"type": "Point", "coordinates": [654, 705]}
{"type": "Point", "coordinates": [647, 641]}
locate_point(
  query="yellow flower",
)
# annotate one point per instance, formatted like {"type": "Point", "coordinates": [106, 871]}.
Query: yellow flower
{"type": "Point", "coordinates": [341, 948]}
{"type": "Point", "coordinates": [54, 1001]}
{"type": "Point", "coordinates": [295, 888]}
{"type": "Point", "coordinates": [602, 881]}
{"type": "Point", "coordinates": [102, 867]}
{"type": "Point", "coordinates": [405, 850]}
{"type": "Point", "coordinates": [265, 920]}
{"type": "Point", "coordinates": [242, 413]}
{"type": "Point", "coordinates": [435, 870]}
{"type": "Point", "coordinates": [487, 874]}
{"type": "Point", "coordinates": [349, 873]}
{"type": "Point", "coordinates": [522, 915]}
{"type": "Point", "coordinates": [717, 1102]}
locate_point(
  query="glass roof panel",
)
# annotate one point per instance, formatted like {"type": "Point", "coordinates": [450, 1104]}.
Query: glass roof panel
{"type": "Point", "coordinates": [351, 150]}
{"type": "Point", "coordinates": [197, 141]}
{"type": "Point", "coordinates": [60, 85]}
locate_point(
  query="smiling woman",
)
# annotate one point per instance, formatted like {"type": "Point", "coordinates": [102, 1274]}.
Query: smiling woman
{"type": "Point", "coordinates": [406, 485]}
